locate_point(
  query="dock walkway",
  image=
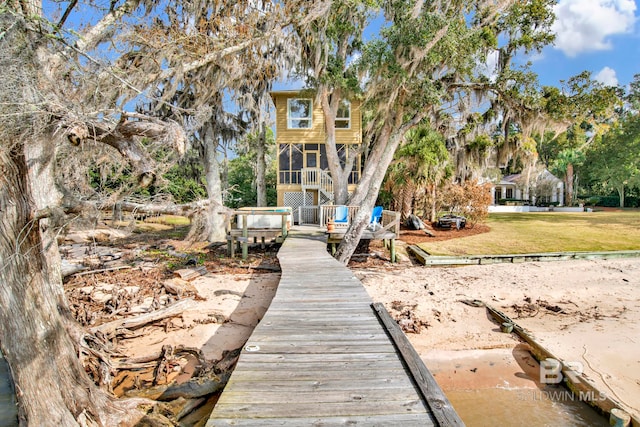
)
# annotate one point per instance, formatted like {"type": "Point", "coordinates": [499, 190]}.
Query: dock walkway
{"type": "Point", "coordinates": [320, 356]}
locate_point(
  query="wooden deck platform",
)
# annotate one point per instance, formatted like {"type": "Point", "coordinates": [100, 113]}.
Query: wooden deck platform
{"type": "Point", "coordinates": [389, 239]}
{"type": "Point", "coordinates": [320, 356]}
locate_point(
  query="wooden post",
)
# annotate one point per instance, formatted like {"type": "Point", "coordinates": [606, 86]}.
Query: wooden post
{"type": "Point", "coordinates": [245, 235]}
{"type": "Point", "coordinates": [619, 418]}
{"type": "Point", "coordinates": [393, 250]}
{"type": "Point", "coordinates": [284, 225]}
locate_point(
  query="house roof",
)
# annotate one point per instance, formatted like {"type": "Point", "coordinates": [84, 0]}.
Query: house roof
{"type": "Point", "coordinates": [514, 178]}
{"type": "Point", "coordinates": [288, 92]}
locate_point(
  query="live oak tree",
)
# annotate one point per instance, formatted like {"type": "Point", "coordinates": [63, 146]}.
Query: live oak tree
{"type": "Point", "coordinates": [328, 50]}
{"type": "Point", "coordinates": [421, 69]}
{"type": "Point", "coordinates": [583, 110]}
{"type": "Point", "coordinates": [74, 81]}
{"type": "Point", "coordinates": [612, 162]}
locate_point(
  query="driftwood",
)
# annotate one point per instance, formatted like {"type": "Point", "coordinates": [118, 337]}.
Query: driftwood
{"type": "Point", "coordinates": [189, 274]}
{"type": "Point", "coordinates": [187, 406]}
{"type": "Point", "coordinates": [211, 381]}
{"type": "Point", "coordinates": [68, 268]}
{"type": "Point", "coordinates": [195, 388]}
{"type": "Point", "coordinates": [103, 270]}
{"type": "Point", "coordinates": [151, 360]}
{"type": "Point", "coordinates": [109, 329]}
{"type": "Point", "coordinates": [180, 287]}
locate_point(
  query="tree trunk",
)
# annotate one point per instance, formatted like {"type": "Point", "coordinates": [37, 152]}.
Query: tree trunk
{"type": "Point", "coordinates": [569, 179]}
{"type": "Point", "coordinates": [367, 192]}
{"type": "Point", "coordinates": [434, 213]}
{"type": "Point", "coordinates": [261, 167]}
{"type": "Point", "coordinates": [38, 335]}
{"type": "Point", "coordinates": [208, 224]}
{"type": "Point", "coordinates": [339, 173]}
{"type": "Point", "coordinates": [378, 162]}
{"type": "Point", "coordinates": [621, 194]}
{"type": "Point", "coordinates": [408, 192]}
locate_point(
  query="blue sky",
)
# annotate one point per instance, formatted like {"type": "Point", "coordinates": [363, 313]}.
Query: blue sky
{"type": "Point", "coordinates": [600, 36]}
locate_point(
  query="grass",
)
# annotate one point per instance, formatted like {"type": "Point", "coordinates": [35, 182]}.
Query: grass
{"type": "Point", "coordinates": [175, 220]}
{"type": "Point", "coordinates": [516, 233]}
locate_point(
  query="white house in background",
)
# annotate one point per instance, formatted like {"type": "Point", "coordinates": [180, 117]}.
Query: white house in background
{"type": "Point", "coordinates": [545, 189]}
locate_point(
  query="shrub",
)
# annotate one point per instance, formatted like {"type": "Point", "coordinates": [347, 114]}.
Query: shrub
{"type": "Point", "coordinates": [470, 200]}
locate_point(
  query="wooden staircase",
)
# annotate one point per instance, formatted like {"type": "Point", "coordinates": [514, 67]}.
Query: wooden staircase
{"type": "Point", "coordinates": [318, 179]}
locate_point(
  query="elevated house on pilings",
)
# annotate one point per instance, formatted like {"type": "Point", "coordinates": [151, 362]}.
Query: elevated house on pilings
{"type": "Point", "coordinates": [304, 181]}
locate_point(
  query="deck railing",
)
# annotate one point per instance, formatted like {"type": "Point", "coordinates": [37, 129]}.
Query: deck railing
{"type": "Point", "coordinates": [328, 212]}
{"type": "Point", "coordinates": [308, 215]}
{"type": "Point", "coordinates": [317, 179]}
{"type": "Point", "coordinates": [390, 219]}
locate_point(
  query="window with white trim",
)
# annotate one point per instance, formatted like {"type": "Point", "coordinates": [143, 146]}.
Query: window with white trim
{"type": "Point", "coordinates": [299, 113]}
{"type": "Point", "coordinates": [343, 116]}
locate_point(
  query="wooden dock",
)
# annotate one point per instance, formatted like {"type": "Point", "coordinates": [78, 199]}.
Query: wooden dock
{"type": "Point", "coordinates": [321, 357]}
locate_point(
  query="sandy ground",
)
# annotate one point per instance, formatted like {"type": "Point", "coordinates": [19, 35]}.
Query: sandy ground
{"type": "Point", "coordinates": [582, 311]}
{"type": "Point", "coordinates": [240, 299]}
{"type": "Point", "coordinates": [586, 312]}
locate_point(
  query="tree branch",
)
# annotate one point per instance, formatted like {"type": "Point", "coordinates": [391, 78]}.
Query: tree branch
{"type": "Point", "coordinates": [102, 29]}
{"type": "Point", "coordinates": [66, 13]}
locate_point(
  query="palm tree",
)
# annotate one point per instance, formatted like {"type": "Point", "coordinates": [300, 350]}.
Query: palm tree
{"type": "Point", "coordinates": [421, 165]}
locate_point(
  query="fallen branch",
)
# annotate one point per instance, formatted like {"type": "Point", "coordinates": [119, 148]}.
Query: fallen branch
{"type": "Point", "coordinates": [190, 274]}
{"type": "Point", "coordinates": [102, 270]}
{"type": "Point", "coordinates": [67, 268]}
{"type": "Point", "coordinates": [109, 329]}
{"type": "Point", "coordinates": [196, 387]}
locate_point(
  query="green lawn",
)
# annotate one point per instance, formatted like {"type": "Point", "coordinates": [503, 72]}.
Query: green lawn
{"type": "Point", "coordinates": [547, 232]}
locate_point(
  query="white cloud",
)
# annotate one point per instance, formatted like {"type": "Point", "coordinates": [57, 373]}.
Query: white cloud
{"type": "Point", "coordinates": [607, 76]}
{"type": "Point", "coordinates": [586, 25]}
{"type": "Point", "coordinates": [490, 67]}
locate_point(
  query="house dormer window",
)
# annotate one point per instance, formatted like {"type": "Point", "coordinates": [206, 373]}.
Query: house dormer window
{"type": "Point", "coordinates": [299, 113]}
{"type": "Point", "coordinates": [343, 116]}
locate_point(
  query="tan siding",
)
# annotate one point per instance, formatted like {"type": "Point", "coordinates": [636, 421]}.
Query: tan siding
{"type": "Point", "coordinates": [315, 135]}
{"type": "Point", "coordinates": [353, 135]}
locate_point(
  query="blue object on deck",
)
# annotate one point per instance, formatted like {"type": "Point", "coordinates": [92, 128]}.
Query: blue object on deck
{"type": "Point", "coordinates": [342, 215]}
{"type": "Point", "coordinates": [376, 215]}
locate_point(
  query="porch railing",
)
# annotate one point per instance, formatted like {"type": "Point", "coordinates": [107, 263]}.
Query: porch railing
{"type": "Point", "coordinates": [308, 215]}
{"type": "Point", "coordinates": [329, 211]}
{"type": "Point", "coordinates": [390, 219]}
{"type": "Point", "coordinates": [317, 179]}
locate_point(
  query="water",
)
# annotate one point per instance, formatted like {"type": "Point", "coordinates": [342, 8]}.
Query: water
{"type": "Point", "coordinates": [500, 387]}
{"type": "Point", "coordinates": [523, 407]}
{"type": "Point", "coordinates": [8, 411]}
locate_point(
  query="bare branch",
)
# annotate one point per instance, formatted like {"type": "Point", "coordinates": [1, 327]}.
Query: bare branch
{"type": "Point", "coordinates": [102, 29]}
{"type": "Point", "coordinates": [66, 13]}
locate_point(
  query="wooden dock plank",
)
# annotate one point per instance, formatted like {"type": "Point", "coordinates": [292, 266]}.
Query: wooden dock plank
{"type": "Point", "coordinates": [305, 375]}
{"type": "Point", "coordinates": [395, 420]}
{"type": "Point", "coordinates": [313, 409]}
{"type": "Point", "coordinates": [320, 355]}
{"type": "Point", "coordinates": [327, 395]}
